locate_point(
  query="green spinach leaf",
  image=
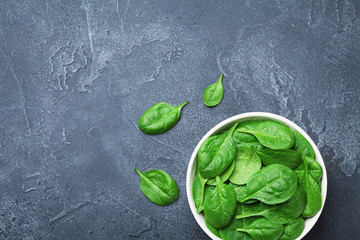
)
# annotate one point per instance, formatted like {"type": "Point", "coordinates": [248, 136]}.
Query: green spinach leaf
{"type": "Point", "coordinates": [158, 186]}
{"type": "Point", "coordinates": [279, 213]}
{"type": "Point", "coordinates": [214, 93]}
{"type": "Point", "coordinates": [260, 229]}
{"type": "Point", "coordinates": [230, 233]}
{"type": "Point", "coordinates": [216, 154]}
{"type": "Point", "coordinates": [245, 140]}
{"type": "Point", "coordinates": [293, 229]}
{"type": "Point", "coordinates": [313, 193]}
{"type": "Point", "coordinates": [241, 193]}
{"type": "Point", "coordinates": [198, 191]}
{"type": "Point", "coordinates": [247, 162]}
{"type": "Point", "coordinates": [223, 176]}
{"type": "Point", "coordinates": [314, 169]}
{"type": "Point", "coordinates": [287, 157]}
{"type": "Point", "coordinates": [220, 207]}
{"type": "Point", "coordinates": [271, 134]}
{"type": "Point", "coordinates": [301, 144]}
{"type": "Point", "coordinates": [212, 229]}
{"type": "Point", "coordinates": [273, 184]}
{"type": "Point", "coordinates": [160, 118]}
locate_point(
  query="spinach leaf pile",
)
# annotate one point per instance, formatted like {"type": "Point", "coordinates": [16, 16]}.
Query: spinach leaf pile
{"type": "Point", "coordinates": [257, 180]}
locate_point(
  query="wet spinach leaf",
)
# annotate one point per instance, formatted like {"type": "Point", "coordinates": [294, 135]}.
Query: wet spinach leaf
{"type": "Point", "coordinates": [230, 233]}
{"type": "Point", "coordinates": [261, 228]}
{"type": "Point", "coordinates": [314, 169]}
{"type": "Point", "coordinates": [280, 213]}
{"type": "Point", "coordinates": [247, 162]}
{"type": "Point", "coordinates": [245, 140]}
{"type": "Point", "coordinates": [158, 186]}
{"type": "Point", "coordinates": [302, 145]}
{"type": "Point", "coordinates": [216, 154]}
{"type": "Point", "coordinates": [160, 118]}
{"type": "Point", "coordinates": [273, 184]}
{"type": "Point", "coordinates": [212, 229]}
{"type": "Point", "coordinates": [214, 93]}
{"type": "Point", "coordinates": [223, 176]}
{"type": "Point", "coordinates": [271, 134]}
{"type": "Point", "coordinates": [293, 229]}
{"type": "Point", "coordinates": [198, 191]}
{"type": "Point", "coordinates": [220, 207]}
{"type": "Point", "coordinates": [313, 193]}
{"type": "Point", "coordinates": [241, 193]}
{"type": "Point", "coordinates": [287, 157]}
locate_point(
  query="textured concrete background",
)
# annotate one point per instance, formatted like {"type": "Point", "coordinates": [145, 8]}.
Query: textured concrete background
{"type": "Point", "coordinates": [76, 76]}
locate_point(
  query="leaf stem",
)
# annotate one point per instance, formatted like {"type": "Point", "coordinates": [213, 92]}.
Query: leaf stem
{"type": "Point", "coordinates": [183, 104]}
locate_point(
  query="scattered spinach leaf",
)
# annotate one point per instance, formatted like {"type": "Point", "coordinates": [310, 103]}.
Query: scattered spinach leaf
{"type": "Point", "coordinates": [214, 93]}
{"type": "Point", "coordinates": [160, 118]}
{"type": "Point", "coordinates": [247, 162]}
{"type": "Point", "coordinates": [273, 184]}
{"type": "Point", "coordinates": [271, 134]}
{"type": "Point", "coordinates": [158, 186]}
{"type": "Point", "coordinates": [220, 207]}
{"type": "Point", "coordinates": [287, 157]}
{"type": "Point", "coordinates": [216, 154]}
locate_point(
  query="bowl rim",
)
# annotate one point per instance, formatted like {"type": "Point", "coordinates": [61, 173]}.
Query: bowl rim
{"type": "Point", "coordinates": [309, 222]}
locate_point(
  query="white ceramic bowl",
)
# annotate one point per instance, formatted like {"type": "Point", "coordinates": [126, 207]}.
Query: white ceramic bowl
{"type": "Point", "coordinates": [309, 223]}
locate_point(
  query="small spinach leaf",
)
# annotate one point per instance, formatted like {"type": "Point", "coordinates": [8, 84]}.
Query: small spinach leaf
{"type": "Point", "coordinates": [260, 229]}
{"type": "Point", "coordinates": [279, 213]}
{"type": "Point", "coordinates": [247, 162]}
{"type": "Point", "coordinates": [214, 93]}
{"type": "Point", "coordinates": [216, 154]}
{"type": "Point", "coordinates": [160, 118]}
{"type": "Point", "coordinates": [301, 144]}
{"type": "Point", "coordinates": [271, 134]}
{"type": "Point", "coordinates": [230, 233]}
{"type": "Point", "coordinates": [241, 193]}
{"type": "Point", "coordinates": [287, 157]}
{"type": "Point", "coordinates": [273, 184]}
{"type": "Point", "coordinates": [198, 191]}
{"type": "Point", "coordinates": [245, 140]}
{"type": "Point", "coordinates": [293, 229]}
{"type": "Point", "coordinates": [223, 176]}
{"type": "Point", "coordinates": [220, 207]}
{"type": "Point", "coordinates": [158, 186]}
{"type": "Point", "coordinates": [314, 169]}
{"type": "Point", "coordinates": [313, 193]}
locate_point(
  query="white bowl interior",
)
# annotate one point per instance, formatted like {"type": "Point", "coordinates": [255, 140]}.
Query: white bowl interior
{"type": "Point", "coordinates": [309, 223]}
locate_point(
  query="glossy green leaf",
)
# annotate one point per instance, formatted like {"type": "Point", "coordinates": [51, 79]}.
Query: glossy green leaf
{"type": "Point", "coordinates": [314, 169]}
{"type": "Point", "coordinates": [160, 118]}
{"type": "Point", "coordinates": [302, 145]}
{"type": "Point", "coordinates": [247, 162]}
{"type": "Point", "coordinates": [273, 184]}
{"type": "Point", "coordinates": [313, 193]}
{"type": "Point", "coordinates": [214, 93]}
{"type": "Point", "coordinates": [271, 134]}
{"type": "Point", "coordinates": [230, 233]}
{"type": "Point", "coordinates": [287, 157]}
{"type": "Point", "coordinates": [280, 213]}
{"type": "Point", "coordinates": [293, 229]}
{"type": "Point", "coordinates": [158, 186]}
{"type": "Point", "coordinates": [245, 140]}
{"type": "Point", "coordinates": [216, 154]}
{"type": "Point", "coordinates": [198, 191]}
{"type": "Point", "coordinates": [212, 229]}
{"type": "Point", "coordinates": [223, 176]}
{"type": "Point", "coordinates": [261, 228]}
{"type": "Point", "coordinates": [241, 193]}
{"type": "Point", "coordinates": [220, 207]}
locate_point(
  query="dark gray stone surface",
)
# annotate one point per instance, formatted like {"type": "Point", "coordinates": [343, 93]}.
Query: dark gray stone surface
{"type": "Point", "coordinates": [76, 76]}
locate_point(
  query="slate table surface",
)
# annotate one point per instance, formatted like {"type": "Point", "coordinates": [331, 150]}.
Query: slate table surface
{"type": "Point", "coordinates": [75, 76]}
